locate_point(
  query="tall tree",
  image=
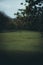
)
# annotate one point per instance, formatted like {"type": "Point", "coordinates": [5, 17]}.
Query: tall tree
{"type": "Point", "coordinates": [4, 21]}
{"type": "Point", "coordinates": [32, 13]}
{"type": "Point", "coordinates": [34, 16]}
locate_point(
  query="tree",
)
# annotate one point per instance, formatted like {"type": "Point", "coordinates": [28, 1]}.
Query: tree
{"type": "Point", "coordinates": [32, 14]}
{"type": "Point", "coordinates": [34, 10]}
{"type": "Point", "coordinates": [3, 21]}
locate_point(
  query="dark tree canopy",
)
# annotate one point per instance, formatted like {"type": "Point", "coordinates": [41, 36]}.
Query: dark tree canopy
{"type": "Point", "coordinates": [4, 21]}
{"type": "Point", "coordinates": [32, 14]}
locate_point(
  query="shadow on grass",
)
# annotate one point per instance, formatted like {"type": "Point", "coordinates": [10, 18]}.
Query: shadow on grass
{"type": "Point", "coordinates": [21, 58]}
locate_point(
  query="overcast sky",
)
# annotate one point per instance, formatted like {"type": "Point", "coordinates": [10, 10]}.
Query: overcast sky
{"type": "Point", "coordinates": [10, 6]}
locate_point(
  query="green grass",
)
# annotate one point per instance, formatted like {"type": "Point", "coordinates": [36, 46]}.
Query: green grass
{"type": "Point", "coordinates": [21, 41]}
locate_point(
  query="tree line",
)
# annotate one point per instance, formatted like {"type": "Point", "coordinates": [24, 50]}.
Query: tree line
{"type": "Point", "coordinates": [30, 18]}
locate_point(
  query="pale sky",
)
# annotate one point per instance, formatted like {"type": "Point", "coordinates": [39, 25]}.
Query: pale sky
{"type": "Point", "coordinates": [11, 6]}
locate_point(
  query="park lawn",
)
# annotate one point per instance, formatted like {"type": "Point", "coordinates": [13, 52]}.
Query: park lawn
{"type": "Point", "coordinates": [21, 41]}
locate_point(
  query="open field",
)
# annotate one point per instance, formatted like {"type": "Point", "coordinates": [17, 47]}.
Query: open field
{"type": "Point", "coordinates": [21, 41]}
{"type": "Point", "coordinates": [21, 48]}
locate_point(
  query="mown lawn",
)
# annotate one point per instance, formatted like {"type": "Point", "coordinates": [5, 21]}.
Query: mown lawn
{"type": "Point", "coordinates": [21, 41]}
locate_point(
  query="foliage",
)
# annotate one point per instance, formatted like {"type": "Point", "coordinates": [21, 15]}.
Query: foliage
{"type": "Point", "coordinates": [30, 18]}
{"type": "Point", "coordinates": [32, 14]}
{"type": "Point", "coordinates": [4, 21]}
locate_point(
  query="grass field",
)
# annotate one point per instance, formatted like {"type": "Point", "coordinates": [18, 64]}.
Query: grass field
{"type": "Point", "coordinates": [21, 41]}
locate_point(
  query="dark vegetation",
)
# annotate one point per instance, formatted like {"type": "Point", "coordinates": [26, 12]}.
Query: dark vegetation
{"type": "Point", "coordinates": [30, 18]}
